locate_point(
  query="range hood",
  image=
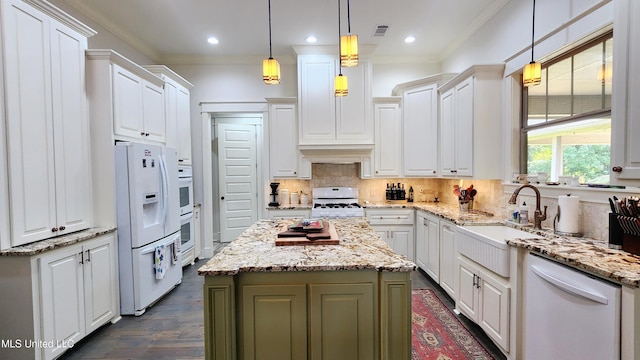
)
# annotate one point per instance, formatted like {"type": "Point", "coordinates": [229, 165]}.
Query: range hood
{"type": "Point", "coordinates": [336, 153]}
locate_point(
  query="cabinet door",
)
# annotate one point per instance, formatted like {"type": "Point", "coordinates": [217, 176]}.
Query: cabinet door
{"type": "Point", "coordinates": [625, 130]}
{"type": "Point", "coordinates": [283, 141]}
{"type": "Point", "coordinates": [100, 282]}
{"type": "Point", "coordinates": [433, 249]}
{"type": "Point", "coordinates": [422, 228]}
{"type": "Point", "coordinates": [463, 128]}
{"type": "Point", "coordinates": [153, 112]}
{"type": "Point", "coordinates": [493, 309]}
{"type": "Point", "coordinates": [71, 130]}
{"type": "Point", "coordinates": [388, 140]}
{"type": "Point", "coordinates": [183, 104]}
{"type": "Point", "coordinates": [316, 98]}
{"type": "Point", "coordinates": [127, 103]}
{"type": "Point", "coordinates": [171, 115]}
{"type": "Point", "coordinates": [383, 232]}
{"type": "Point", "coordinates": [447, 258]}
{"type": "Point", "coordinates": [29, 122]}
{"type": "Point", "coordinates": [447, 134]}
{"type": "Point", "coordinates": [339, 311]}
{"type": "Point", "coordinates": [354, 122]}
{"type": "Point", "coordinates": [402, 240]}
{"type": "Point", "coordinates": [420, 121]}
{"type": "Point", "coordinates": [62, 296]}
{"type": "Point", "coordinates": [467, 300]}
{"type": "Point", "coordinates": [274, 322]}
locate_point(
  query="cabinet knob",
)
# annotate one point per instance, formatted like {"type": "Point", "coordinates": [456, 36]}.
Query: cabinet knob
{"type": "Point", "coordinates": [617, 169]}
{"type": "Point", "coordinates": [146, 134]}
{"type": "Point", "coordinates": [434, 171]}
{"type": "Point", "coordinates": [62, 227]}
{"type": "Point", "coordinates": [222, 198]}
{"type": "Point", "coordinates": [142, 133]}
{"type": "Point", "coordinates": [54, 229]}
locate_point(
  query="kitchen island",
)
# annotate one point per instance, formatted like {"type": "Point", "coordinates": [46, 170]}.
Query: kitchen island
{"type": "Point", "coordinates": [346, 301]}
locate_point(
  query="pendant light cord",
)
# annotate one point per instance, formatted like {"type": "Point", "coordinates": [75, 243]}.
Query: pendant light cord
{"type": "Point", "coordinates": [348, 17]}
{"type": "Point", "coordinates": [533, 29]}
{"type": "Point", "coordinates": [339, 46]}
{"type": "Point", "coordinates": [270, 53]}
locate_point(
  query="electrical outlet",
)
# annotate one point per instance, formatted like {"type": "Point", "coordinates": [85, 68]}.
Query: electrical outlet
{"type": "Point", "coordinates": [421, 191]}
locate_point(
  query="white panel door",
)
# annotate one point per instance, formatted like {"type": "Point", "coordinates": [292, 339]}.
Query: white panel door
{"type": "Point", "coordinates": [184, 125]}
{"type": "Point", "coordinates": [100, 281]}
{"type": "Point", "coordinates": [237, 165]}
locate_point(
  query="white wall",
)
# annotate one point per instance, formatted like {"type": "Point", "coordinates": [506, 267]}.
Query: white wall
{"type": "Point", "coordinates": [507, 36]}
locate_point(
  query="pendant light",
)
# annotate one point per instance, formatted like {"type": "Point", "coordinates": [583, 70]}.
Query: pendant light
{"type": "Point", "coordinates": [531, 75]}
{"type": "Point", "coordinates": [349, 44]}
{"type": "Point", "coordinates": [340, 83]}
{"type": "Point", "coordinates": [270, 66]}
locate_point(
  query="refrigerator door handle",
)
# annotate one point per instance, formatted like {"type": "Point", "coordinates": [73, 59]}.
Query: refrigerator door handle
{"type": "Point", "coordinates": [165, 191]}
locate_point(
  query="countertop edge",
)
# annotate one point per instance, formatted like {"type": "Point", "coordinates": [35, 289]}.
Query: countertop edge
{"type": "Point", "coordinates": [42, 246]}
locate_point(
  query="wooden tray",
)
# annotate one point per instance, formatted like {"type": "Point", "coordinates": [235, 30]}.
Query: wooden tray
{"type": "Point", "coordinates": [328, 227]}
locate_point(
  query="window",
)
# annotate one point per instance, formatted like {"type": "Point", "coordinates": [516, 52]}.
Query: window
{"type": "Point", "coordinates": [566, 122]}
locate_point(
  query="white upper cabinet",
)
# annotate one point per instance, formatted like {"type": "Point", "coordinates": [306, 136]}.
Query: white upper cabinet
{"type": "Point", "coordinates": [323, 117]}
{"type": "Point", "coordinates": [46, 121]}
{"type": "Point", "coordinates": [470, 123]}
{"type": "Point", "coordinates": [388, 134]}
{"type": "Point", "coordinates": [420, 125]}
{"type": "Point", "coordinates": [129, 97]}
{"type": "Point", "coordinates": [283, 138]}
{"type": "Point", "coordinates": [625, 112]}
{"type": "Point", "coordinates": [177, 98]}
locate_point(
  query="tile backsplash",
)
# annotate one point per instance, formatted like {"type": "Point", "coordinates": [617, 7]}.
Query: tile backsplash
{"type": "Point", "coordinates": [491, 195]}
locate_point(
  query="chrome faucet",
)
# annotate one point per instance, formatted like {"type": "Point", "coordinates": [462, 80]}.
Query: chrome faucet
{"type": "Point", "coordinates": [538, 216]}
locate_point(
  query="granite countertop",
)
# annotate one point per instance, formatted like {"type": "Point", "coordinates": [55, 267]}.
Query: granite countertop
{"type": "Point", "coordinates": [592, 256]}
{"type": "Point", "coordinates": [255, 251]}
{"type": "Point", "coordinates": [446, 211]}
{"type": "Point", "coordinates": [56, 242]}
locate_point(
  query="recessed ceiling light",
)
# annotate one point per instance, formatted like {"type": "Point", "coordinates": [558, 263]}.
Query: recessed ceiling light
{"type": "Point", "coordinates": [212, 40]}
{"type": "Point", "coordinates": [311, 39]}
{"type": "Point", "coordinates": [409, 39]}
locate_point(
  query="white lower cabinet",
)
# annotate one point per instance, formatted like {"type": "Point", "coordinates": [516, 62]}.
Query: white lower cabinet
{"type": "Point", "coordinates": [395, 227]}
{"type": "Point", "coordinates": [428, 244]}
{"type": "Point", "coordinates": [448, 255]}
{"type": "Point", "coordinates": [435, 249]}
{"type": "Point", "coordinates": [484, 298]}
{"type": "Point", "coordinates": [58, 297]}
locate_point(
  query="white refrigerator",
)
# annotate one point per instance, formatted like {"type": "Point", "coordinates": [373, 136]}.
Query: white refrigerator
{"type": "Point", "coordinates": [148, 214]}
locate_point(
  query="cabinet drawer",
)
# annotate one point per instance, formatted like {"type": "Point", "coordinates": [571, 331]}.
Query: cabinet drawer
{"type": "Point", "coordinates": [390, 216]}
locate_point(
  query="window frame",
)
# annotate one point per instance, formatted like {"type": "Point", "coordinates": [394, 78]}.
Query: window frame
{"type": "Point", "coordinates": [524, 114]}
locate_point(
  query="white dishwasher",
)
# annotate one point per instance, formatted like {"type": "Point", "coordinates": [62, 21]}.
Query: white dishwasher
{"type": "Point", "coordinates": [569, 314]}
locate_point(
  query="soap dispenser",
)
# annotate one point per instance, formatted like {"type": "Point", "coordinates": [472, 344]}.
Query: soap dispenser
{"type": "Point", "coordinates": [524, 213]}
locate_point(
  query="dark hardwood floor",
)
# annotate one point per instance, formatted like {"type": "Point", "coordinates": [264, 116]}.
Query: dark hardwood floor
{"type": "Point", "coordinates": [174, 327]}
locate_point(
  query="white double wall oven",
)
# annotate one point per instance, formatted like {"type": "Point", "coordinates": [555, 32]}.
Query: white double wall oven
{"type": "Point", "coordinates": [185, 182]}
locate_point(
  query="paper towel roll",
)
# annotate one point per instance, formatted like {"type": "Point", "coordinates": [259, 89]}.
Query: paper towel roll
{"type": "Point", "coordinates": [569, 210]}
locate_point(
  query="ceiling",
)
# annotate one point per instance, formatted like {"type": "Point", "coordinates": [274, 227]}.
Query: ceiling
{"type": "Point", "coordinates": [176, 30]}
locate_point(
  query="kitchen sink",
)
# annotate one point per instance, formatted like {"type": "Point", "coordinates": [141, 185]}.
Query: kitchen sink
{"type": "Point", "coordinates": [487, 245]}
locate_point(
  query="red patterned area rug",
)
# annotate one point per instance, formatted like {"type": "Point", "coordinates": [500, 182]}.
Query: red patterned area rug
{"type": "Point", "coordinates": [436, 333]}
